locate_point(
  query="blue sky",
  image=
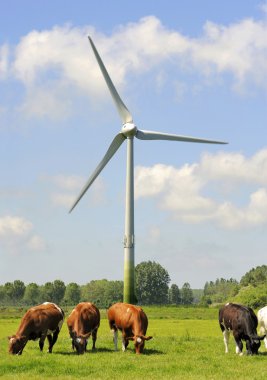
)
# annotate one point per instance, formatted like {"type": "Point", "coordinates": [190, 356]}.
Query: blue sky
{"type": "Point", "coordinates": [194, 68]}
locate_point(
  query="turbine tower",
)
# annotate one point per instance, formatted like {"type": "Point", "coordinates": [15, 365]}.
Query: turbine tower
{"type": "Point", "coordinates": [128, 132]}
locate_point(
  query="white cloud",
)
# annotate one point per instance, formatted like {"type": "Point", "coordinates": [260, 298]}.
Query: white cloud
{"type": "Point", "coordinates": [51, 62]}
{"type": "Point", "coordinates": [182, 191]}
{"type": "Point", "coordinates": [17, 233]}
{"type": "Point", "coordinates": [13, 225]}
{"type": "Point", "coordinates": [235, 167]}
{"type": "Point", "coordinates": [254, 214]}
{"type": "Point", "coordinates": [239, 49]}
{"type": "Point", "coordinates": [49, 100]}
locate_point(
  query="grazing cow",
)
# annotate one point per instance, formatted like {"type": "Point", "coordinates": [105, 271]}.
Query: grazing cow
{"type": "Point", "coordinates": [83, 321]}
{"type": "Point", "coordinates": [132, 322]}
{"type": "Point", "coordinates": [39, 322]}
{"type": "Point", "coordinates": [262, 318]}
{"type": "Point", "coordinates": [242, 321]}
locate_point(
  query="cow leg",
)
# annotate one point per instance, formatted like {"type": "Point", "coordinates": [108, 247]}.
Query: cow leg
{"type": "Point", "coordinates": [239, 345]}
{"type": "Point", "coordinates": [94, 336]}
{"type": "Point", "coordinates": [50, 341]}
{"type": "Point", "coordinates": [124, 344]}
{"type": "Point", "coordinates": [263, 331]}
{"type": "Point", "coordinates": [125, 341]}
{"type": "Point", "coordinates": [115, 338]}
{"type": "Point", "coordinates": [41, 342]}
{"type": "Point", "coordinates": [226, 334]}
{"type": "Point", "coordinates": [53, 340]}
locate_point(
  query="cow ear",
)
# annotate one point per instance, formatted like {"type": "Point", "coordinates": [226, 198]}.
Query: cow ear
{"type": "Point", "coordinates": [262, 337]}
{"type": "Point", "coordinates": [148, 337]}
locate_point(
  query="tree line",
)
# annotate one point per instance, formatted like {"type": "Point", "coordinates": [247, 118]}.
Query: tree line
{"type": "Point", "coordinates": [152, 287]}
{"type": "Point", "coordinates": [250, 291]}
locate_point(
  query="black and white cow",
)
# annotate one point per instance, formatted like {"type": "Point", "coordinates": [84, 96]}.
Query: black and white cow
{"type": "Point", "coordinates": [262, 318]}
{"type": "Point", "coordinates": [243, 322]}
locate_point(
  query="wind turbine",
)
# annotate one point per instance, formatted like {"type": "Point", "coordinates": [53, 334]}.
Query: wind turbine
{"type": "Point", "coordinates": [128, 132]}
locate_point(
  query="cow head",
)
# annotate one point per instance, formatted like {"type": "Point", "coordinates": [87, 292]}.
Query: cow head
{"type": "Point", "coordinates": [80, 343]}
{"type": "Point", "coordinates": [253, 344]}
{"type": "Point", "coordinates": [16, 344]}
{"type": "Point", "coordinates": [139, 342]}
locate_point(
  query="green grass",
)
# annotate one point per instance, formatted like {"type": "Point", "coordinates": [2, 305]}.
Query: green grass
{"type": "Point", "coordinates": [187, 344]}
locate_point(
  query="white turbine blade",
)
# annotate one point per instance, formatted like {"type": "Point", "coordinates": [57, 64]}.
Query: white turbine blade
{"type": "Point", "coordinates": [114, 146]}
{"type": "Point", "coordinates": [122, 109]}
{"type": "Point", "coordinates": [151, 135]}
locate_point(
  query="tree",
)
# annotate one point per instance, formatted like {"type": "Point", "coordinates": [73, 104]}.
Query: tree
{"type": "Point", "coordinates": [253, 296]}
{"type": "Point", "coordinates": [58, 291]}
{"type": "Point", "coordinates": [72, 294]}
{"type": "Point", "coordinates": [2, 294]}
{"type": "Point", "coordinates": [220, 290]}
{"type": "Point", "coordinates": [46, 292]}
{"type": "Point", "coordinates": [32, 294]}
{"type": "Point", "coordinates": [174, 295]}
{"type": "Point", "coordinates": [151, 283]}
{"type": "Point", "coordinates": [14, 291]}
{"type": "Point", "coordinates": [255, 276]}
{"type": "Point", "coordinates": [53, 291]}
{"type": "Point", "coordinates": [9, 291]}
{"type": "Point", "coordinates": [103, 293]}
{"type": "Point", "coordinates": [18, 290]}
{"type": "Point", "coordinates": [186, 294]}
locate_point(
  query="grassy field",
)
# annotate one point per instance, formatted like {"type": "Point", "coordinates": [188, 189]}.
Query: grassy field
{"type": "Point", "coordinates": [187, 344]}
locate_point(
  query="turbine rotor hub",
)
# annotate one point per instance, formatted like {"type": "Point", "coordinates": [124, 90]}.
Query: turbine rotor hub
{"type": "Point", "coordinates": [129, 129]}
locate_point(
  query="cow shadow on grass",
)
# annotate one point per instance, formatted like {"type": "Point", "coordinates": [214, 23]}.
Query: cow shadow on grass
{"type": "Point", "coordinates": [147, 352]}
{"type": "Point", "coordinates": [89, 352]}
{"type": "Point", "coordinates": [152, 351]}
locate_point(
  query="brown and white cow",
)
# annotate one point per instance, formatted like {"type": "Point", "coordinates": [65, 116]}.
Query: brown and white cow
{"type": "Point", "coordinates": [132, 322]}
{"type": "Point", "coordinates": [39, 322]}
{"type": "Point", "coordinates": [83, 321]}
{"type": "Point", "coordinates": [243, 322]}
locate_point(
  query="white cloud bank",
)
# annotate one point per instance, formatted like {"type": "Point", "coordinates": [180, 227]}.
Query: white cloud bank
{"type": "Point", "coordinates": [181, 191]}
{"type": "Point", "coordinates": [17, 232]}
{"type": "Point", "coordinates": [51, 62]}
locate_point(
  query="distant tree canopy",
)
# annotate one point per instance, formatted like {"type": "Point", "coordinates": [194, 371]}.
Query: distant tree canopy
{"type": "Point", "coordinates": [102, 293]}
{"type": "Point", "coordinates": [255, 276]}
{"type": "Point", "coordinates": [151, 283]}
{"type": "Point", "coordinates": [187, 294]}
{"type": "Point", "coordinates": [253, 296]}
{"type": "Point", "coordinates": [72, 294]}
{"type": "Point", "coordinates": [220, 290]}
{"type": "Point", "coordinates": [152, 287]}
{"type": "Point", "coordinates": [174, 295]}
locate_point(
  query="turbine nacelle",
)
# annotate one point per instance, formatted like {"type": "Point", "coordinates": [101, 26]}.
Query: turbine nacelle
{"type": "Point", "coordinates": [129, 130]}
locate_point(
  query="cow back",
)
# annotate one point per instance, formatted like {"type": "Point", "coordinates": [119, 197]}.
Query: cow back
{"type": "Point", "coordinates": [83, 319]}
{"type": "Point", "coordinates": [238, 318]}
{"type": "Point", "coordinates": [128, 317]}
{"type": "Point", "coordinates": [44, 317]}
